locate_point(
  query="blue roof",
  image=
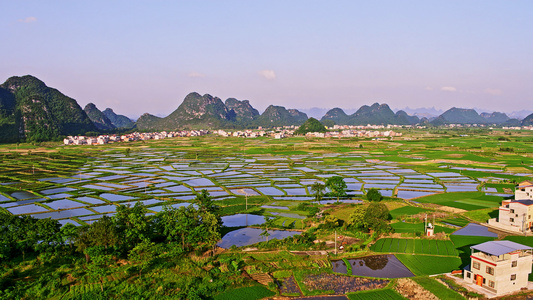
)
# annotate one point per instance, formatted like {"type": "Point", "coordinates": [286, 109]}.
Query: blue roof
{"type": "Point", "coordinates": [498, 248]}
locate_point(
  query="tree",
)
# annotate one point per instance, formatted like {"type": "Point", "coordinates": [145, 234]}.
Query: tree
{"type": "Point", "coordinates": [102, 233]}
{"type": "Point", "coordinates": [337, 186]}
{"type": "Point", "coordinates": [374, 195]}
{"type": "Point", "coordinates": [376, 216]}
{"type": "Point", "coordinates": [357, 218]}
{"type": "Point", "coordinates": [269, 222]}
{"type": "Point", "coordinates": [99, 265]}
{"type": "Point", "coordinates": [318, 190]}
{"type": "Point", "coordinates": [144, 254]}
{"type": "Point", "coordinates": [133, 225]}
{"type": "Point", "coordinates": [331, 222]}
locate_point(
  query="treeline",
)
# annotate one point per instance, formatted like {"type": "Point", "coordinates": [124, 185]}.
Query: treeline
{"type": "Point", "coordinates": [130, 234]}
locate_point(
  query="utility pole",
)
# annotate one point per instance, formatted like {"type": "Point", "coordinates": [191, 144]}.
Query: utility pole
{"type": "Point", "coordinates": [335, 242]}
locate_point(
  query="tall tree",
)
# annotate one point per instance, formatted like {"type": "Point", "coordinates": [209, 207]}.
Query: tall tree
{"type": "Point", "coordinates": [318, 190]}
{"type": "Point", "coordinates": [269, 223]}
{"type": "Point", "coordinates": [337, 186]}
{"type": "Point", "coordinates": [374, 195]}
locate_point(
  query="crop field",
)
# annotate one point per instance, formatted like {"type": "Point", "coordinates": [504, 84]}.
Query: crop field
{"type": "Point", "coordinates": [252, 292]}
{"type": "Point", "coordinates": [438, 289]}
{"type": "Point", "coordinates": [386, 294]}
{"type": "Point", "coordinates": [251, 179]}
{"type": "Point", "coordinates": [429, 265]}
{"type": "Point", "coordinates": [403, 227]}
{"type": "Point", "coordinates": [406, 211]}
{"type": "Point", "coordinates": [415, 246]}
{"type": "Point", "coordinates": [463, 200]}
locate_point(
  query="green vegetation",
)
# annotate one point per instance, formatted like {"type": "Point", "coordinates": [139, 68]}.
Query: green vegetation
{"type": "Point", "coordinates": [387, 294]}
{"type": "Point", "coordinates": [252, 292]}
{"type": "Point", "coordinates": [416, 246]}
{"type": "Point", "coordinates": [136, 255]}
{"type": "Point", "coordinates": [374, 195]}
{"type": "Point", "coordinates": [406, 211]}
{"type": "Point", "coordinates": [438, 289]}
{"type": "Point", "coordinates": [310, 125]}
{"type": "Point", "coordinates": [429, 265]}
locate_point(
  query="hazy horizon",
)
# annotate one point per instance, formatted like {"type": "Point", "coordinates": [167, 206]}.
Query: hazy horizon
{"type": "Point", "coordinates": [144, 57]}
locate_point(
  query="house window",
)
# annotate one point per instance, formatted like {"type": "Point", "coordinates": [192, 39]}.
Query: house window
{"type": "Point", "coordinates": [490, 270]}
{"type": "Point", "coordinates": [512, 211]}
{"type": "Point", "coordinates": [491, 283]}
{"type": "Point", "coordinates": [475, 265]}
{"type": "Point", "coordinates": [529, 216]}
{"type": "Point", "coordinates": [511, 220]}
{"type": "Point", "coordinates": [514, 263]}
{"type": "Point", "coordinates": [513, 277]}
{"type": "Point", "coordinates": [468, 275]}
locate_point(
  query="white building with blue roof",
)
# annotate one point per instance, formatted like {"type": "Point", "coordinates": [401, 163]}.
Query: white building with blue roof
{"type": "Point", "coordinates": [500, 267]}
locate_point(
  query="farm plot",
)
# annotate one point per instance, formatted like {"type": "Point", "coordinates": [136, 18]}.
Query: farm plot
{"type": "Point", "coordinates": [414, 246]}
{"type": "Point", "coordinates": [385, 294]}
{"type": "Point", "coordinates": [406, 211]}
{"type": "Point", "coordinates": [403, 227]}
{"type": "Point", "coordinates": [463, 200]}
{"type": "Point", "coordinates": [429, 265]}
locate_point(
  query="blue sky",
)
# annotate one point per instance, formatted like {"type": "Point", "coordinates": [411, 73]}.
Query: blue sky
{"type": "Point", "coordinates": [146, 56]}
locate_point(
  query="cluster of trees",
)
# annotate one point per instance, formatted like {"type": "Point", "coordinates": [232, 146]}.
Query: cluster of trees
{"type": "Point", "coordinates": [372, 217]}
{"type": "Point", "coordinates": [129, 234]}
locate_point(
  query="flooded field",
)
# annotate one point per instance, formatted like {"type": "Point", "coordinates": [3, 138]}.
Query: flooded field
{"type": "Point", "coordinates": [381, 266]}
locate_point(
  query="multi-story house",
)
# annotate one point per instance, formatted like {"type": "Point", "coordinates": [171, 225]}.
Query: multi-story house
{"type": "Point", "coordinates": [500, 267]}
{"type": "Point", "coordinates": [516, 215]}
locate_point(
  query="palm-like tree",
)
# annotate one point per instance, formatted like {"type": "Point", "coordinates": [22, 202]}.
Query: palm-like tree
{"type": "Point", "coordinates": [318, 190]}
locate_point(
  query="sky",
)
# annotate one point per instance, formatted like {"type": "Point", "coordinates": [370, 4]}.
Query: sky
{"type": "Point", "coordinates": [146, 56]}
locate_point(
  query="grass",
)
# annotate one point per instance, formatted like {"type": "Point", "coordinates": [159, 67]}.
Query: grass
{"type": "Point", "coordinates": [403, 227]}
{"type": "Point", "coordinates": [428, 264]}
{"type": "Point", "coordinates": [438, 289]}
{"type": "Point", "coordinates": [482, 215]}
{"type": "Point", "coordinates": [386, 294]}
{"type": "Point", "coordinates": [414, 246]}
{"type": "Point", "coordinates": [463, 200]}
{"type": "Point", "coordinates": [406, 211]}
{"type": "Point", "coordinates": [251, 292]}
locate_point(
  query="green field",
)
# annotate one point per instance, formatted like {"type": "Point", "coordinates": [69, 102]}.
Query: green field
{"type": "Point", "coordinates": [414, 246]}
{"type": "Point", "coordinates": [403, 227]}
{"type": "Point", "coordinates": [252, 292]}
{"type": "Point", "coordinates": [438, 289]}
{"type": "Point", "coordinates": [406, 211]}
{"type": "Point", "coordinates": [429, 265]}
{"type": "Point", "coordinates": [386, 294]}
{"type": "Point", "coordinates": [463, 200]}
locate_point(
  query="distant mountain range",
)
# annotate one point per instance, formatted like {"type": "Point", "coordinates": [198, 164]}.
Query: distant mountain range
{"type": "Point", "coordinates": [32, 111]}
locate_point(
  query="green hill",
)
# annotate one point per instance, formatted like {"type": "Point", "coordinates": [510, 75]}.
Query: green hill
{"type": "Point", "coordinates": [30, 110]}
{"type": "Point", "coordinates": [275, 116]}
{"type": "Point", "coordinates": [377, 114]}
{"type": "Point", "coordinates": [119, 121]}
{"type": "Point", "coordinates": [195, 112]}
{"type": "Point", "coordinates": [310, 125]}
{"type": "Point", "coordinates": [456, 115]}
{"type": "Point", "coordinates": [528, 121]}
{"type": "Point", "coordinates": [98, 118]}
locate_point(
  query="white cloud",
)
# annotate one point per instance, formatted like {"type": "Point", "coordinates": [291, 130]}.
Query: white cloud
{"type": "Point", "coordinates": [195, 74]}
{"type": "Point", "coordinates": [448, 89]}
{"type": "Point", "coordinates": [493, 91]}
{"type": "Point", "coordinates": [268, 74]}
{"type": "Point", "coordinates": [28, 20]}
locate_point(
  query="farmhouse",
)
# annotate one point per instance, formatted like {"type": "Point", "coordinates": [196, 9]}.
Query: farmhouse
{"type": "Point", "coordinates": [500, 267]}
{"type": "Point", "coordinates": [516, 215]}
{"type": "Point", "coordinates": [524, 191]}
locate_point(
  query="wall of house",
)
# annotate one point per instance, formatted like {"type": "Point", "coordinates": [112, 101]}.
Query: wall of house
{"type": "Point", "coordinates": [525, 193]}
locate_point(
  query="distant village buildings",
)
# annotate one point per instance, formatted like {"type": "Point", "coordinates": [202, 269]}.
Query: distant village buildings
{"type": "Point", "coordinates": [136, 136]}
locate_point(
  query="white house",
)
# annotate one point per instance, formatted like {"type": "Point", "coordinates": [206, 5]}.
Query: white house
{"type": "Point", "coordinates": [500, 267]}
